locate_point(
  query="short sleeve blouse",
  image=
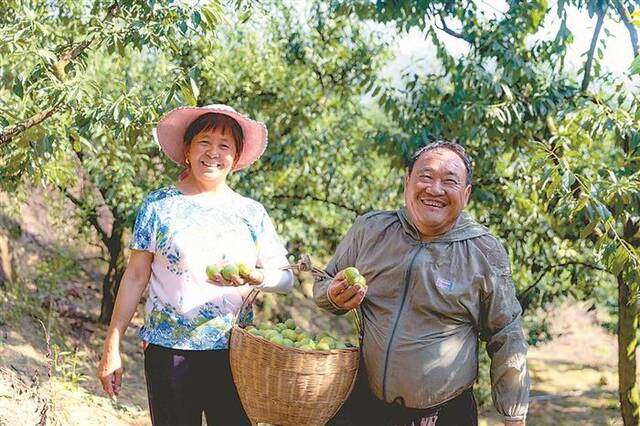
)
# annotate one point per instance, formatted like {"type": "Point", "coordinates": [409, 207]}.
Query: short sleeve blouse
{"type": "Point", "coordinates": [186, 233]}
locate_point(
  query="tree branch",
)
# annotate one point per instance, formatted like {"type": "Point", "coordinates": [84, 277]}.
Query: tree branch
{"type": "Point", "coordinates": [594, 41]}
{"type": "Point", "coordinates": [626, 20]}
{"type": "Point", "coordinates": [34, 120]}
{"type": "Point", "coordinates": [93, 217]}
{"type": "Point", "coordinates": [449, 31]}
{"type": "Point", "coordinates": [58, 67]}
{"type": "Point", "coordinates": [559, 265]}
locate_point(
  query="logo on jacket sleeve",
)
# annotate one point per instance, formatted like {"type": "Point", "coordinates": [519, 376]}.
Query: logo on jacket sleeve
{"type": "Point", "coordinates": [444, 285]}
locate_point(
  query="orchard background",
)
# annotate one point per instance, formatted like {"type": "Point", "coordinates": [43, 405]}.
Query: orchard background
{"type": "Point", "coordinates": [556, 144]}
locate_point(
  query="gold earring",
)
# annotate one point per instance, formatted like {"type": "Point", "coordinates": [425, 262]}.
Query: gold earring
{"type": "Point", "coordinates": [186, 160]}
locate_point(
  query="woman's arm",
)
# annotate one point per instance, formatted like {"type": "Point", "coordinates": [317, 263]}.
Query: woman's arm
{"type": "Point", "coordinates": [133, 283]}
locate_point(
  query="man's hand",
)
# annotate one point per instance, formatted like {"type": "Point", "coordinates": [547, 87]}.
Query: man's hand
{"type": "Point", "coordinates": [343, 295]}
{"type": "Point", "coordinates": [509, 422]}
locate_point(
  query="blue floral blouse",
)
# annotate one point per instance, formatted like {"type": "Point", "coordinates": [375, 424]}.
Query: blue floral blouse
{"type": "Point", "coordinates": [185, 233]}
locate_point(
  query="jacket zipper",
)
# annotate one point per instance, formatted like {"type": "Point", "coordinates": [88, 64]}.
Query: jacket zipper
{"type": "Point", "coordinates": [407, 277]}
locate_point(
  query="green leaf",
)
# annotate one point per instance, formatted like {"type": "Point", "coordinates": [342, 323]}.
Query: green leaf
{"type": "Point", "coordinates": [618, 260]}
{"type": "Point", "coordinates": [210, 17]}
{"type": "Point", "coordinates": [244, 17]}
{"type": "Point", "coordinates": [17, 88]}
{"type": "Point", "coordinates": [568, 179]}
{"type": "Point", "coordinates": [581, 204]}
{"type": "Point", "coordinates": [187, 95]}
{"type": "Point", "coordinates": [588, 230]}
{"type": "Point", "coordinates": [603, 211]}
{"type": "Point", "coordinates": [120, 47]}
{"type": "Point", "coordinates": [553, 186]}
{"type": "Point", "coordinates": [169, 97]}
{"type": "Point", "coordinates": [195, 90]}
{"type": "Point", "coordinates": [47, 144]}
{"type": "Point", "coordinates": [507, 91]}
{"type": "Point", "coordinates": [47, 55]}
{"type": "Point", "coordinates": [183, 27]}
{"type": "Point", "coordinates": [635, 65]}
{"type": "Point", "coordinates": [196, 18]}
{"type": "Point", "coordinates": [609, 249]}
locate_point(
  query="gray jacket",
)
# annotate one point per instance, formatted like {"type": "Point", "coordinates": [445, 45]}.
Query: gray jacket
{"type": "Point", "coordinates": [426, 306]}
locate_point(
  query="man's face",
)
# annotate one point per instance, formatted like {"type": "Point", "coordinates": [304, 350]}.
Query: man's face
{"type": "Point", "coordinates": [436, 191]}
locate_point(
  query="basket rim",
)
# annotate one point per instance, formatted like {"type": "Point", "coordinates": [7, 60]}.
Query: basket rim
{"type": "Point", "coordinates": [298, 350]}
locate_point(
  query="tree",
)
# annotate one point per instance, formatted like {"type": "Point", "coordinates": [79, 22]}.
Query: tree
{"type": "Point", "coordinates": [76, 99]}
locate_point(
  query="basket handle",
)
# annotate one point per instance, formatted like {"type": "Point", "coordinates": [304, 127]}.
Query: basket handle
{"type": "Point", "coordinates": [303, 265]}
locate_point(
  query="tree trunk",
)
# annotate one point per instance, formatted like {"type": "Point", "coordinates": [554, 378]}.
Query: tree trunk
{"type": "Point", "coordinates": [6, 260]}
{"type": "Point", "coordinates": [111, 280]}
{"type": "Point", "coordinates": [627, 344]}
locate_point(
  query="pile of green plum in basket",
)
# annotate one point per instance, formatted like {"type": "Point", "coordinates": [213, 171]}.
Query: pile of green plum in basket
{"type": "Point", "coordinates": [289, 334]}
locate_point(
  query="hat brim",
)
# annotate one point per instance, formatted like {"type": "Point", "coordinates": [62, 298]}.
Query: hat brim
{"type": "Point", "coordinates": [169, 133]}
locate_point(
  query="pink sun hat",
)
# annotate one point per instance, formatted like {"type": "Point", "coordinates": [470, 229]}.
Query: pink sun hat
{"type": "Point", "coordinates": [169, 133]}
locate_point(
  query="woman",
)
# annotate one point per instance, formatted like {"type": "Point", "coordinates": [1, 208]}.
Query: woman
{"type": "Point", "coordinates": [180, 230]}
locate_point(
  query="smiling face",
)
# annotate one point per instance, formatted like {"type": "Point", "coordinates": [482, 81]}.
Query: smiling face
{"type": "Point", "coordinates": [436, 191]}
{"type": "Point", "coordinates": [211, 155]}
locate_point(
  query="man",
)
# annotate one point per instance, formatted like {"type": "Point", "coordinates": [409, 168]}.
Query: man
{"type": "Point", "coordinates": [437, 281]}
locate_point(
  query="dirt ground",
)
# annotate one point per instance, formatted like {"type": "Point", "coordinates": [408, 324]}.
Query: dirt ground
{"type": "Point", "coordinates": [573, 377]}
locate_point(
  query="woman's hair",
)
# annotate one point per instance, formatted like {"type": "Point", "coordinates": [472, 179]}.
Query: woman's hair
{"type": "Point", "coordinates": [214, 121]}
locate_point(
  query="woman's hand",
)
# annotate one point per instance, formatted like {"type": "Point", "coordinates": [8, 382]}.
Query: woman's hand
{"type": "Point", "coordinates": [110, 371]}
{"type": "Point", "coordinates": [134, 281]}
{"type": "Point", "coordinates": [254, 278]}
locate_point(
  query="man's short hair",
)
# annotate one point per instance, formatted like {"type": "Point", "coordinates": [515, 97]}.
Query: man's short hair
{"type": "Point", "coordinates": [442, 144]}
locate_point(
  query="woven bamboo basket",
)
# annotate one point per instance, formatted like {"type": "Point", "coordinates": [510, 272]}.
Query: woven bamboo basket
{"type": "Point", "coordinates": [289, 386]}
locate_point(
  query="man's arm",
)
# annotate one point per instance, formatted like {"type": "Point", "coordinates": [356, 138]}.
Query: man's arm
{"type": "Point", "coordinates": [506, 344]}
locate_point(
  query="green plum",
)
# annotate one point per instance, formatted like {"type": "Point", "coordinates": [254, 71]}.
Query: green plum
{"type": "Point", "coordinates": [244, 270]}
{"type": "Point", "coordinates": [289, 334]}
{"type": "Point", "coordinates": [212, 271]}
{"type": "Point", "coordinates": [277, 339]}
{"type": "Point", "coordinates": [323, 346]}
{"type": "Point", "coordinates": [229, 271]}
{"type": "Point", "coordinates": [360, 282]}
{"type": "Point", "coordinates": [351, 274]}
{"type": "Point", "coordinates": [291, 324]}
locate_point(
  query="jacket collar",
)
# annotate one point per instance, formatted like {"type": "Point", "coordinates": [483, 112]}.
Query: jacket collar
{"type": "Point", "coordinates": [465, 228]}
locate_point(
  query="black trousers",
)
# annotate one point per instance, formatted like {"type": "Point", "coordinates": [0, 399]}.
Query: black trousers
{"type": "Point", "coordinates": [181, 385]}
{"type": "Point", "coordinates": [364, 409]}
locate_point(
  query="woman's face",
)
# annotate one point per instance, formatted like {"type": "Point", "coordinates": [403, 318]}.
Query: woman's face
{"type": "Point", "coordinates": [211, 155]}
